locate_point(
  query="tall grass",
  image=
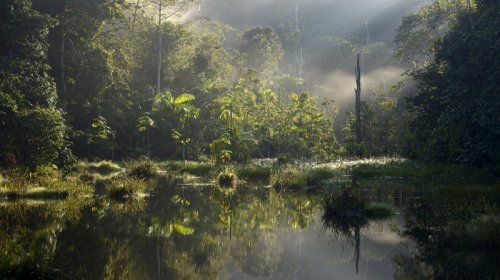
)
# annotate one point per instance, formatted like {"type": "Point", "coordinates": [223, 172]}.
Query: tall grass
{"type": "Point", "coordinates": [125, 187]}
{"type": "Point", "coordinates": [142, 168]}
{"type": "Point", "coordinates": [45, 182]}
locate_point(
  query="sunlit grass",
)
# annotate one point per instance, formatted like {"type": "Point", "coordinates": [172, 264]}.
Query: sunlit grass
{"type": "Point", "coordinates": [44, 183]}
{"type": "Point", "coordinates": [143, 169]}
{"type": "Point", "coordinates": [104, 167]}
{"type": "Point", "coordinates": [125, 187]}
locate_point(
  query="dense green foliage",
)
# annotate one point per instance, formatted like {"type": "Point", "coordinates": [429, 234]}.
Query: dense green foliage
{"type": "Point", "coordinates": [456, 110]}
{"type": "Point", "coordinates": [81, 77]}
{"type": "Point", "coordinates": [32, 128]}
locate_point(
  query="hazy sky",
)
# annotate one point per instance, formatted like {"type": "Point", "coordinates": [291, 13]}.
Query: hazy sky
{"type": "Point", "coordinates": [329, 17]}
{"type": "Point", "coordinates": [340, 18]}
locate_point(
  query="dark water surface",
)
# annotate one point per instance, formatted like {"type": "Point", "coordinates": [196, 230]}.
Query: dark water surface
{"type": "Point", "coordinates": [186, 231]}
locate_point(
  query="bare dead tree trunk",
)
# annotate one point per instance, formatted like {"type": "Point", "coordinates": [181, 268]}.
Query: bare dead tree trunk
{"type": "Point", "coordinates": [158, 78]}
{"type": "Point", "coordinates": [134, 17]}
{"type": "Point", "coordinates": [61, 74]}
{"type": "Point", "coordinates": [358, 102]}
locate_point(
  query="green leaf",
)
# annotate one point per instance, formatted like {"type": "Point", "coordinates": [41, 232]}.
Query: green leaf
{"type": "Point", "coordinates": [182, 229]}
{"type": "Point", "coordinates": [183, 98]}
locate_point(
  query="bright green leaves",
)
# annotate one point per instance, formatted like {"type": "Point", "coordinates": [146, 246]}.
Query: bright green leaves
{"type": "Point", "coordinates": [144, 123]}
{"type": "Point", "coordinates": [103, 131]}
{"type": "Point", "coordinates": [179, 105]}
{"type": "Point", "coordinates": [183, 99]}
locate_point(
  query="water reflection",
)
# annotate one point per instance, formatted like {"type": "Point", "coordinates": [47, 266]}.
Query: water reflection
{"type": "Point", "coordinates": [204, 232]}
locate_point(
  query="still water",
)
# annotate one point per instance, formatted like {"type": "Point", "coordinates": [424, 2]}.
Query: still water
{"type": "Point", "coordinates": [187, 230]}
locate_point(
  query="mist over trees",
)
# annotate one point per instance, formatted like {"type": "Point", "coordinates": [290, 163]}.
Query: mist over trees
{"type": "Point", "coordinates": [108, 79]}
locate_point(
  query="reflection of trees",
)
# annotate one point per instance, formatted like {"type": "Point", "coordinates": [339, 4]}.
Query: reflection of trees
{"type": "Point", "coordinates": [344, 214]}
{"type": "Point", "coordinates": [188, 233]}
{"type": "Point", "coordinates": [456, 239]}
{"type": "Point", "coordinates": [28, 235]}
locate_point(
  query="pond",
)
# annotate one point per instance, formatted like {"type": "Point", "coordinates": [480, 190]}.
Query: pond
{"type": "Point", "coordinates": [193, 230]}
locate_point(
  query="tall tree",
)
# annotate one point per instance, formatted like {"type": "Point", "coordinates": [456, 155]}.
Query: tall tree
{"type": "Point", "coordinates": [32, 129]}
{"type": "Point", "coordinates": [166, 9]}
{"type": "Point", "coordinates": [456, 116]}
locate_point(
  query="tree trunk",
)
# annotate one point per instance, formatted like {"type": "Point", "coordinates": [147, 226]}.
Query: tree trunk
{"type": "Point", "coordinates": [61, 73]}
{"type": "Point", "coordinates": [158, 78]}
{"type": "Point", "coordinates": [358, 102]}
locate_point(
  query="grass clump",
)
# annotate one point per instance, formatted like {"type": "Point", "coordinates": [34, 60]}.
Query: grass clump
{"type": "Point", "coordinates": [227, 179]}
{"type": "Point", "coordinates": [104, 167]}
{"type": "Point", "coordinates": [45, 183]}
{"type": "Point", "coordinates": [378, 211]}
{"type": "Point", "coordinates": [126, 187]}
{"type": "Point", "coordinates": [289, 178]}
{"type": "Point", "coordinates": [142, 169]}
{"type": "Point", "coordinates": [254, 173]}
{"type": "Point", "coordinates": [190, 167]}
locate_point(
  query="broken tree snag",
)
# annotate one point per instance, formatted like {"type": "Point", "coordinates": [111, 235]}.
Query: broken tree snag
{"type": "Point", "coordinates": [357, 72]}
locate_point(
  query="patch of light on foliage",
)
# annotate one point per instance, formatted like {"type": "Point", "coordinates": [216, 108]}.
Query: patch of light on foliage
{"type": "Point", "coordinates": [342, 163]}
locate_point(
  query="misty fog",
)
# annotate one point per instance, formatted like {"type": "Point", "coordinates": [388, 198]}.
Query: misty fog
{"type": "Point", "coordinates": [327, 69]}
